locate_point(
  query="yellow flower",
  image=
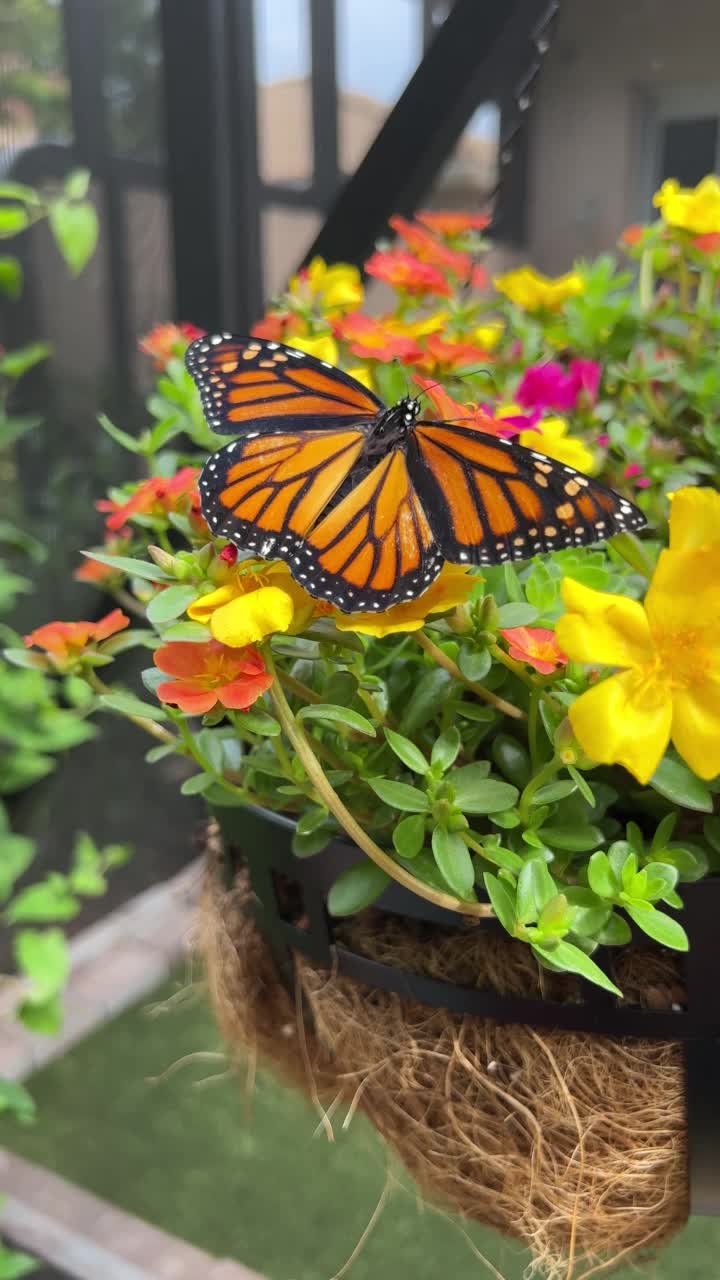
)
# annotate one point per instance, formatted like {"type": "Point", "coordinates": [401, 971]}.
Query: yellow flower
{"type": "Point", "coordinates": [695, 209]}
{"type": "Point", "coordinates": [336, 288]}
{"type": "Point", "coordinates": [531, 290]}
{"type": "Point", "coordinates": [550, 436]}
{"type": "Point", "coordinates": [669, 654]}
{"type": "Point", "coordinates": [694, 519]}
{"type": "Point", "coordinates": [258, 600]}
{"type": "Point", "coordinates": [452, 587]}
{"type": "Point", "coordinates": [416, 328]}
{"type": "Point", "coordinates": [362, 374]}
{"type": "Point", "coordinates": [323, 347]}
{"type": "Point", "coordinates": [488, 335]}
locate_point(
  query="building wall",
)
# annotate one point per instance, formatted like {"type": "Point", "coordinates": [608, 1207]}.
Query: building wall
{"type": "Point", "coordinates": [592, 154]}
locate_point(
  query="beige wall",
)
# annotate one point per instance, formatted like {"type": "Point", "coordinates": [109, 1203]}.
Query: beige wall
{"type": "Point", "coordinates": [590, 153]}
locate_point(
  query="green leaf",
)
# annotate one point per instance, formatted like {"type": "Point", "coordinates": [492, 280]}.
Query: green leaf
{"type": "Point", "coordinates": [662, 878]}
{"type": "Point", "coordinates": [511, 758]}
{"type": "Point", "coordinates": [582, 785]}
{"type": "Point", "coordinates": [43, 956]}
{"type": "Point", "coordinates": [13, 219]}
{"type": "Point", "coordinates": [676, 782]}
{"type": "Point", "coordinates": [134, 568]}
{"type": "Point", "coordinates": [554, 791]}
{"type": "Point", "coordinates": [501, 902]}
{"type": "Point", "coordinates": [406, 751]}
{"type": "Point", "coordinates": [427, 700]}
{"type": "Point", "coordinates": [75, 228]}
{"type": "Point", "coordinates": [578, 838]}
{"type": "Point", "coordinates": [616, 933]}
{"type": "Point", "coordinates": [305, 845]}
{"type": "Point", "coordinates": [15, 1100]}
{"type": "Point", "coordinates": [14, 1265]}
{"type": "Point", "coordinates": [170, 603]}
{"type": "Point", "coordinates": [516, 615]}
{"type": "Point", "coordinates": [77, 184]}
{"type": "Point", "coordinates": [445, 749]}
{"type": "Point", "coordinates": [128, 705]}
{"type": "Point", "coordinates": [474, 663]}
{"type": "Point", "coordinates": [659, 926]}
{"type": "Point", "coordinates": [601, 877]}
{"type": "Point", "coordinates": [664, 832]}
{"type": "Point", "coordinates": [156, 754]}
{"type": "Point", "coordinates": [49, 900]}
{"type": "Point", "coordinates": [11, 277]}
{"type": "Point", "coordinates": [454, 861]}
{"type": "Point", "coordinates": [44, 1019]}
{"type": "Point", "coordinates": [476, 793]}
{"type": "Point", "coordinates": [566, 956]}
{"type": "Point", "coordinates": [18, 191]}
{"type": "Point", "coordinates": [197, 784]}
{"type": "Point", "coordinates": [257, 721]}
{"type": "Point", "coordinates": [356, 888]}
{"type": "Point", "coordinates": [338, 715]}
{"type": "Point", "coordinates": [399, 795]}
{"type": "Point", "coordinates": [193, 631]}
{"type": "Point", "coordinates": [16, 854]}
{"type": "Point", "coordinates": [13, 364]}
{"type": "Point", "coordinates": [163, 433]}
{"type": "Point", "coordinates": [409, 835]}
{"type": "Point", "coordinates": [535, 888]}
{"type": "Point", "coordinates": [131, 443]}
{"type": "Point", "coordinates": [311, 821]}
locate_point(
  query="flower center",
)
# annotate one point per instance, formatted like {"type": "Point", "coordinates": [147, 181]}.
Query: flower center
{"type": "Point", "coordinates": [683, 658]}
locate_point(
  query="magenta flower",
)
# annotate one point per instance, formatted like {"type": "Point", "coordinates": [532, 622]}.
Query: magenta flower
{"type": "Point", "coordinates": [550, 386]}
{"type": "Point", "coordinates": [634, 472]}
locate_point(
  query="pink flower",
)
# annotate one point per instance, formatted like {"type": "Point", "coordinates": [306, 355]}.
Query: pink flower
{"type": "Point", "coordinates": [634, 472]}
{"type": "Point", "coordinates": [536, 646]}
{"type": "Point", "coordinates": [549, 386]}
{"type": "Point", "coordinates": [603, 441]}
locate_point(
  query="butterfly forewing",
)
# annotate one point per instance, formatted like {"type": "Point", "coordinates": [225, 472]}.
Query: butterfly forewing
{"type": "Point", "coordinates": [248, 383]}
{"type": "Point", "coordinates": [489, 500]}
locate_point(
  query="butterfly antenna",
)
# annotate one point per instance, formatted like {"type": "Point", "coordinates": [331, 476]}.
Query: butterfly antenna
{"type": "Point", "coordinates": [467, 374]}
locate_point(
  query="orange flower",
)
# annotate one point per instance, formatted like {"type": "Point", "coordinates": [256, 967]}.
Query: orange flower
{"type": "Point", "coordinates": [208, 673]}
{"type": "Point", "coordinates": [633, 234]}
{"type": "Point", "coordinates": [404, 272]}
{"type": "Point", "coordinates": [66, 641]}
{"type": "Point", "coordinates": [94, 571]}
{"type": "Point", "coordinates": [443, 356]}
{"type": "Point", "coordinates": [449, 410]}
{"type": "Point", "coordinates": [453, 224]}
{"type": "Point", "coordinates": [535, 646]}
{"type": "Point", "coordinates": [276, 326]}
{"type": "Point", "coordinates": [709, 243]}
{"type": "Point", "coordinates": [428, 249]}
{"type": "Point", "coordinates": [373, 340]}
{"type": "Point", "coordinates": [154, 497]}
{"type": "Point", "coordinates": [168, 340]}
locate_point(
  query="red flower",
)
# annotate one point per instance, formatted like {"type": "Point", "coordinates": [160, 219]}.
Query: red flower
{"type": "Point", "coordinates": [479, 278]}
{"type": "Point", "coordinates": [168, 340]}
{"type": "Point", "coordinates": [156, 496]}
{"type": "Point", "coordinates": [535, 646]}
{"type": "Point", "coordinates": [229, 554]}
{"type": "Point", "coordinates": [372, 340]}
{"type": "Point", "coordinates": [208, 673]}
{"type": "Point", "coordinates": [709, 243]}
{"type": "Point", "coordinates": [428, 249]}
{"type": "Point", "coordinates": [276, 326]}
{"type": "Point", "coordinates": [467, 415]}
{"type": "Point", "coordinates": [633, 234]}
{"type": "Point", "coordinates": [443, 356]}
{"type": "Point", "coordinates": [402, 271]}
{"type": "Point", "coordinates": [65, 641]}
{"type": "Point", "coordinates": [453, 224]}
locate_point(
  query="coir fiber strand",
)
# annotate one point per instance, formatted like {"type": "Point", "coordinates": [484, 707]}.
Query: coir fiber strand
{"type": "Point", "coordinates": [573, 1144]}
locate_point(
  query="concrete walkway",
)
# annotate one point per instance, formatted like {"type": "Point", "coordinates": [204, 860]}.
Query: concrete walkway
{"type": "Point", "coordinates": [113, 965]}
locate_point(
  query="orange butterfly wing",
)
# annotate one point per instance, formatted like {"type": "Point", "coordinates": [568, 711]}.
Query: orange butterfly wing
{"type": "Point", "coordinates": [265, 492]}
{"type": "Point", "coordinates": [375, 548]}
{"type": "Point", "coordinates": [249, 382]}
{"type": "Point", "coordinates": [489, 500]}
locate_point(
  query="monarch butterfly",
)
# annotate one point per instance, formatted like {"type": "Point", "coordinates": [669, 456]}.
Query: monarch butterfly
{"type": "Point", "coordinates": [365, 502]}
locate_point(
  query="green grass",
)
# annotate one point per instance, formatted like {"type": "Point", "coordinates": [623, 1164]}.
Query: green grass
{"type": "Point", "coordinates": [247, 1177]}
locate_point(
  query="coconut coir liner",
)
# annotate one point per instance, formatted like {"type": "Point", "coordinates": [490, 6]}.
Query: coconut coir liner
{"type": "Point", "coordinates": [573, 1144]}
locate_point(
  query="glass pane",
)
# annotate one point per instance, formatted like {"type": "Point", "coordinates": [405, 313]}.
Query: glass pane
{"type": "Point", "coordinates": [285, 136]}
{"type": "Point", "coordinates": [132, 77]}
{"type": "Point", "coordinates": [688, 150]}
{"type": "Point", "coordinates": [286, 235]}
{"type": "Point", "coordinates": [34, 93]}
{"type": "Point", "coordinates": [379, 45]}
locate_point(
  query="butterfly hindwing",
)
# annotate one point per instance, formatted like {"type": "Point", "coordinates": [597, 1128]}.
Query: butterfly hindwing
{"type": "Point", "coordinates": [490, 500]}
{"type": "Point", "coordinates": [251, 383]}
{"type": "Point", "coordinates": [375, 548]}
{"type": "Point", "coordinates": [265, 492]}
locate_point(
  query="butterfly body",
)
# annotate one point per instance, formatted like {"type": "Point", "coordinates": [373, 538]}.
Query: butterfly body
{"type": "Point", "coordinates": [363, 501]}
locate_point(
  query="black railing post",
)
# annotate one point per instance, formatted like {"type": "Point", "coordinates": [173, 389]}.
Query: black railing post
{"type": "Point", "coordinates": [326, 165]}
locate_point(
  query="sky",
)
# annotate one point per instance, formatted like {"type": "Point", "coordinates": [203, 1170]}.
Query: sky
{"type": "Point", "coordinates": [379, 44]}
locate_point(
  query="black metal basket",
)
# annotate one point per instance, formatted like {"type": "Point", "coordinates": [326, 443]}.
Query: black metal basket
{"type": "Point", "coordinates": [261, 842]}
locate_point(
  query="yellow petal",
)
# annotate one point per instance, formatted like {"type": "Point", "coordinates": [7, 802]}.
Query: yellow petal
{"type": "Point", "coordinates": [602, 628]}
{"type": "Point", "coordinates": [684, 595]}
{"type": "Point", "coordinates": [251, 617]}
{"type": "Point", "coordinates": [694, 519]}
{"type": "Point", "coordinates": [363, 375]}
{"type": "Point", "coordinates": [203, 609]}
{"type": "Point", "coordinates": [624, 720]}
{"type": "Point", "coordinates": [696, 727]}
{"type": "Point", "coordinates": [323, 347]}
{"type": "Point", "coordinates": [452, 587]}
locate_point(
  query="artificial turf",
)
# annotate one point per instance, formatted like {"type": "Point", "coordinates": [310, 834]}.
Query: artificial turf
{"type": "Point", "coordinates": [248, 1177]}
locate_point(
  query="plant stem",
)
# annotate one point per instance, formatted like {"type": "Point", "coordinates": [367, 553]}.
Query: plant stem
{"type": "Point", "coordinates": [298, 688]}
{"type": "Point", "coordinates": [646, 283]}
{"type": "Point", "coordinates": [547, 772]}
{"type": "Point", "coordinates": [301, 744]}
{"type": "Point", "coordinates": [485, 695]}
{"type": "Point", "coordinates": [129, 602]}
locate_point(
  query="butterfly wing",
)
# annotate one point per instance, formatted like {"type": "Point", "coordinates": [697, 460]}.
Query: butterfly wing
{"type": "Point", "coordinates": [489, 500]}
{"type": "Point", "coordinates": [250, 383]}
{"type": "Point", "coordinates": [265, 492]}
{"type": "Point", "coordinates": [375, 548]}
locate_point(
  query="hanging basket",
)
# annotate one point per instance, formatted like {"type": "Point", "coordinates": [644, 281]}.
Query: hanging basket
{"type": "Point", "coordinates": [532, 1102]}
